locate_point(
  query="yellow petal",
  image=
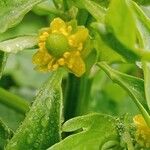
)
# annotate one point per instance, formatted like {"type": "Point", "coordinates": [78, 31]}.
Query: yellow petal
{"type": "Point", "coordinates": [57, 24]}
{"type": "Point", "coordinates": [41, 68]}
{"type": "Point", "coordinates": [79, 37]}
{"type": "Point", "coordinates": [37, 57]}
{"type": "Point", "coordinates": [41, 58]}
{"type": "Point", "coordinates": [75, 63]}
{"type": "Point", "coordinates": [50, 64]}
{"type": "Point", "coordinates": [61, 61]}
{"type": "Point", "coordinates": [139, 120]}
{"type": "Point", "coordinates": [143, 131]}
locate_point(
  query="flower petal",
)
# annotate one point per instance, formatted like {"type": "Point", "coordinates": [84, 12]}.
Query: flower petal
{"type": "Point", "coordinates": [57, 24]}
{"type": "Point", "coordinates": [41, 58]}
{"type": "Point", "coordinates": [79, 37]}
{"type": "Point", "coordinates": [143, 131]}
{"type": "Point", "coordinates": [139, 120]}
{"type": "Point", "coordinates": [41, 68]}
{"type": "Point", "coordinates": [75, 63]}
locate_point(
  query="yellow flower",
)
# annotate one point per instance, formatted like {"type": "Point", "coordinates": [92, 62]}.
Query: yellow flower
{"type": "Point", "coordinates": [61, 45]}
{"type": "Point", "coordinates": [142, 132]}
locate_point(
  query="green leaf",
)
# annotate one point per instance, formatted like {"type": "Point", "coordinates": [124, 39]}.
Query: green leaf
{"type": "Point", "coordinates": [13, 11]}
{"type": "Point", "coordinates": [93, 8]}
{"type": "Point", "coordinates": [143, 27]}
{"type": "Point", "coordinates": [102, 2]}
{"type": "Point", "coordinates": [5, 135]}
{"type": "Point", "coordinates": [119, 17]}
{"type": "Point", "coordinates": [106, 53]}
{"type": "Point", "coordinates": [117, 39]}
{"type": "Point", "coordinates": [111, 41]}
{"type": "Point", "coordinates": [18, 44]}
{"type": "Point", "coordinates": [143, 2]}
{"type": "Point", "coordinates": [2, 61]}
{"type": "Point", "coordinates": [41, 127]}
{"type": "Point", "coordinates": [96, 131]}
{"type": "Point", "coordinates": [134, 86]}
{"type": "Point", "coordinates": [47, 7]}
{"type": "Point", "coordinates": [130, 54]}
{"type": "Point", "coordinates": [25, 27]}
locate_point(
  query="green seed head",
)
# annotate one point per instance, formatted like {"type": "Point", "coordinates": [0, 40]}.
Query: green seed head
{"type": "Point", "coordinates": [57, 44]}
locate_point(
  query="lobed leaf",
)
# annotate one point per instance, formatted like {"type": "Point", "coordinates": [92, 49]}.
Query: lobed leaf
{"type": "Point", "coordinates": [93, 135]}
{"type": "Point", "coordinates": [41, 127]}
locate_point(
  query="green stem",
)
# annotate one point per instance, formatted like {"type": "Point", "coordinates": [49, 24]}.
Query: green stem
{"type": "Point", "coordinates": [77, 96]}
{"type": "Point", "coordinates": [71, 96]}
{"type": "Point", "coordinates": [84, 95]}
{"type": "Point", "coordinates": [13, 101]}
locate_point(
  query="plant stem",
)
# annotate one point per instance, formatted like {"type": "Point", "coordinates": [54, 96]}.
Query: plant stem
{"type": "Point", "coordinates": [71, 96]}
{"type": "Point", "coordinates": [13, 101]}
{"type": "Point", "coordinates": [84, 95]}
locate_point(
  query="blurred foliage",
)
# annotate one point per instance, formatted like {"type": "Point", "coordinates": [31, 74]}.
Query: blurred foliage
{"type": "Point", "coordinates": [119, 44]}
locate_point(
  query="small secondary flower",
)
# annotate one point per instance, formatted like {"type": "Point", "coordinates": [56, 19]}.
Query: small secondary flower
{"type": "Point", "coordinates": [61, 44]}
{"type": "Point", "coordinates": [142, 132]}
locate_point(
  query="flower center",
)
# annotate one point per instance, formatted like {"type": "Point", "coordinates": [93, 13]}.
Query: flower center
{"type": "Point", "coordinates": [57, 44]}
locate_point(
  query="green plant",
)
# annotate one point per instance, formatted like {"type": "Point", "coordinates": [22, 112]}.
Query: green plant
{"type": "Point", "coordinates": [74, 45]}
